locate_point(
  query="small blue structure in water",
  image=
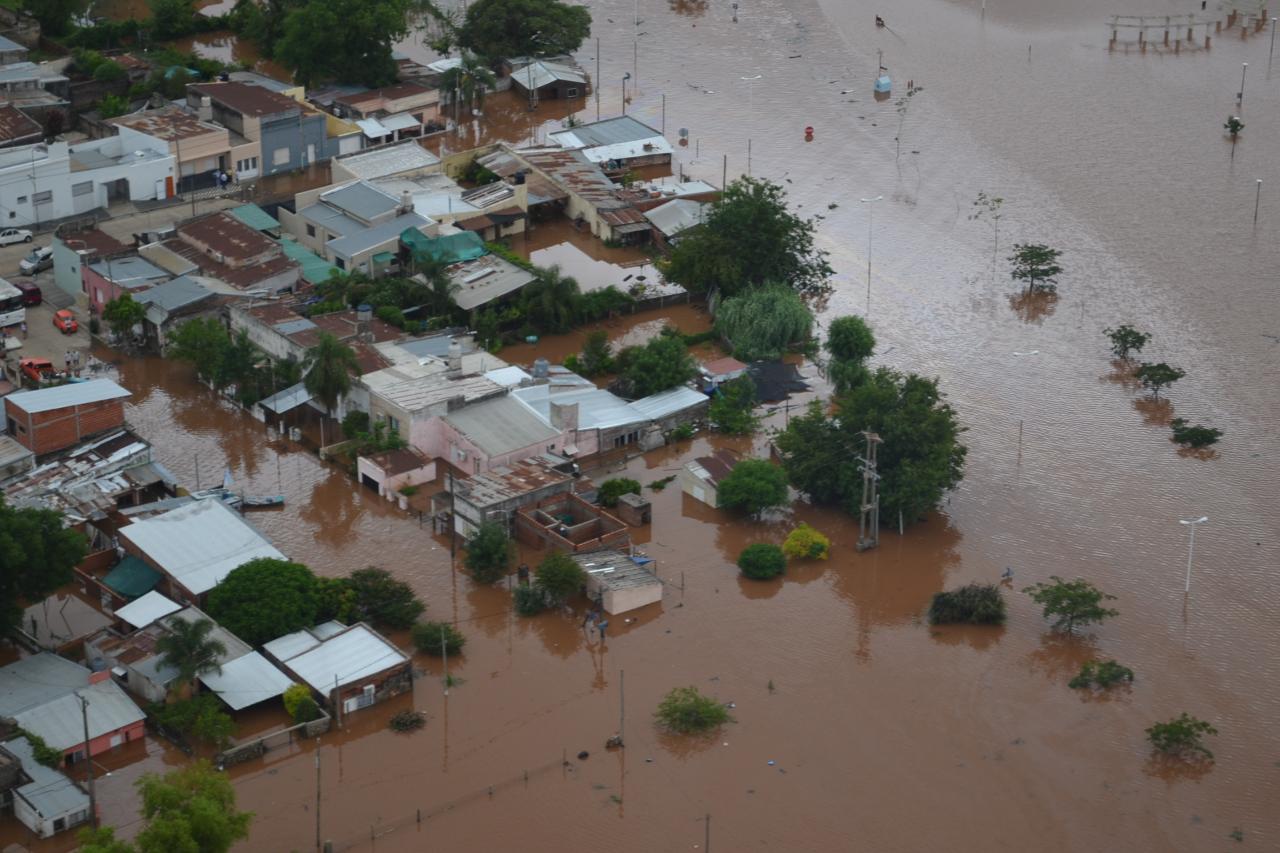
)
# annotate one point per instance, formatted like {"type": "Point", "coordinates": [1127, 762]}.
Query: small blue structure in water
{"type": "Point", "coordinates": [883, 83]}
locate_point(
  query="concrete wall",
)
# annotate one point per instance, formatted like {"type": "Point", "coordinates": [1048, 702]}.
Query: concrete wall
{"type": "Point", "coordinates": [299, 141]}
{"type": "Point", "coordinates": [43, 825]}
{"type": "Point", "coordinates": [45, 432]}
{"type": "Point", "coordinates": [389, 486]}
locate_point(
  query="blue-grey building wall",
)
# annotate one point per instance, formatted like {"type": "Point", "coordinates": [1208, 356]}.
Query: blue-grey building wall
{"type": "Point", "coordinates": [304, 138]}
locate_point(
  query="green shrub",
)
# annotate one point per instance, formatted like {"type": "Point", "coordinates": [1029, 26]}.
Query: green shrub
{"type": "Point", "coordinates": [45, 754]}
{"type": "Point", "coordinates": [294, 694]}
{"type": "Point", "coordinates": [684, 710]}
{"type": "Point", "coordinates": [1193, 436]}
{"type": "Point", "coordinates": [529, 600]}
{"type": "Point", "coordinates": [109, 71]}
{"type": "Point", "coordinates": [975, 603]}
{"type": "Point", "coordinates": [406, 721]}
{"type": "Point", "coordinates": [806, 543]}
{"type": "Point", "coordinates": [488, 553]}
{"type": "Point", "coordinates": [306, 710]}
{"type": "Point", "coordinates": [762, 561]}
{"type": "Point", "coordinates": [732, 409]}
{"type": "Point", "coordinates": [201, 717]}
{"type": "Point", "coordinates": [559, 576]}
{"type": "Point", "coordinates": [1181, 737]}
{"type": "Point", "coordinates": [611, 490]}
{"type": "Point", "coordinates": [435, 638]}
{"type": "Point", "coordinates": [684, 432]}
{"type": "Point", "coordinates": [1101, 674]}
{"type": "Point", "coordinates": [355, 423]}
{"type": "Point", "coordinates": [384, 600]}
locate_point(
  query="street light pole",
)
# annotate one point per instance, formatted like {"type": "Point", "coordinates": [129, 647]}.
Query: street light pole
{"type": "Point", "coordinates": [1023, 419]}
{"type": "Point", "coordinates": [1191, 548]}
{"type": "Point", "coordinates": [1244, 69]}
{"type": "Point", "coordinates": [1257, 199]}
{"type": "Point", "coordinates": [870, 219]}
{"type": "Point", "coordinates": [625, 78]}
{"type": "Point", "coordinates": [1273, 46]}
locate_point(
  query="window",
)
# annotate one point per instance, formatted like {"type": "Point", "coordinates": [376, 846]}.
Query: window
{"type": "Point", "coordinates": [85, 188]}
{"type": "Point", "coordinates": [311, 231]}
{"type": "Point", "coordinates": [22, 199]}
{"type": "Point", "coordinates": [43, 197]}
{"type": "Point", "coordinates": [250, 165]}
{"type": "Point", "coordinates": [280, 157]}
{"type": "Point", "coordinates": [340, 263]}
{"type": "Point", "coordinates": [571, 92]}
{"type": "Point", "coordinates": [393, 424]}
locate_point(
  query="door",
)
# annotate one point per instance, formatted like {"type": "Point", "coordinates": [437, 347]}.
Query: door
{"type": "Point", "coordinates": [116, 739]}
{"type": "Point", "coordinates": [168, 187]}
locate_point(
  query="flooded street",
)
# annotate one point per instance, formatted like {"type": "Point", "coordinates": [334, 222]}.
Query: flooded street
{"type": "Point", "coordinates": [887, 735]}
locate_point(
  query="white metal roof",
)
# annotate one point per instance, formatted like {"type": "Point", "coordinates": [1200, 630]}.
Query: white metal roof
{"type": "Point", "coordinates": [442, 65]}
{"type": "Point", "coordinates": [325, 630]}
{"type": "Point", "coordinates": [597, 408]}
{"type": "Point", "coordinates": [32, 681]}
{"type": "Point", "coordinates": [355, 654]}
{"type": "Point", "coordinates": [71, 394]}
{"type": "Point", "coordinates": [507, 377]}
{"type": "Point", "coordinates": [676, 215]}
{"type": "Point", "coordinates": [400, 121]}
{"type": "Point", "coordinates": [668, 402]}
{"type": "Point", "coordinates": [60, 722]}
{"type": "Point", "coordinates": [247, 681]}
{"type": "Point", "coordinates": [291, 645]}
{"type": "Point", "coordinates": [619, 138]}
{"type": "Point", "coordinates": [373, 128]}
{"type": "Point", "coordinates": [406, 156]}
{"type": "Point", "coordinates": [141, 612]}
{"type": "Point", "coordinates": [501, 425]}
{"type": "Point", "coordinates": [199, 544]}
{"type": "Point", "coordinates": [287, 400]}
{"type": "Point", "coordinates": [49, 792]}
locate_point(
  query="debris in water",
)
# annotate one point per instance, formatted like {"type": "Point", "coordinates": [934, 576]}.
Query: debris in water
{"type": "Point", "coordinates": [832, 206]}
{"type": "Point", "coordinates": [772, 762]}
{"type": "Point", "coordinates": [648, 761]}
{"type": "Point", "coordinates": [584, 755]}
{"type": "Point", "coordinates": [797, 56]}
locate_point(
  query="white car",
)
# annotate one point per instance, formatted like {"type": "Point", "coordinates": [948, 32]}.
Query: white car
{"type": "Point", "coordinates": [9, 236]}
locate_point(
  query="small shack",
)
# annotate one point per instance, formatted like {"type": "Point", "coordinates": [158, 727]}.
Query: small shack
{"type": "Point", "coordinates": [350, 667]}
{"type": "Point", "coordinates": [701, 477]}
{"type": "Point", "coordinates": [49, 802]}
{"type": "Point", "coordinates": [619, 581]}
{"type": "Point", "coordinates": [568, 523]}
{"type": "Point", "coordinates": [722, 370]}
{"type": "Point", "coordinates": [56, 418]}
{"type": "Point", "coordinates": [634, 510]}
{"type": "Point", "coordinates": [391, 470]}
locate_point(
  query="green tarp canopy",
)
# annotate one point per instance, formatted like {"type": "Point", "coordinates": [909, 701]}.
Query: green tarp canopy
{"type": "Point", "coordinates": [315, 269]}
{"type": "Point", "coordinates": [131, 577]}
{"type": "Point", "coordinates": [255, 217]}
{"type": "Point", "coordinates": [450, 248]}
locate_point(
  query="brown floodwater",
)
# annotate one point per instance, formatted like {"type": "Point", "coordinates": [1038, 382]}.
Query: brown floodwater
{"type": "Point", "coordinates": [886, 734]}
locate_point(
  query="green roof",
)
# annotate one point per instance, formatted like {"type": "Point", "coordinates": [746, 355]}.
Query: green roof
{"type": "Point", "coordinates": [131, 577]}
{"type": "Point", "coordinates": [451, 248]}
{"type": "Point", "coordinates": [255, 217]}
{"type": "Point", "coordinates": [384, 257]}
{"type": "Point", "coordinates": [315, 269]}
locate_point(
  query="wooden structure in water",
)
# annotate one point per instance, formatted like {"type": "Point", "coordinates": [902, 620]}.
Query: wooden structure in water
{"type": "Point", "coordinates": [1175, 31]}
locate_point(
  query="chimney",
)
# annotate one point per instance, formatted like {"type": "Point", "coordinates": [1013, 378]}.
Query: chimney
{"type": "Point", "coordinates": [541, 369]}
{"type": "Point", "coordinates": [205, 113]}
{"type": "Point", "coordinates": [406, 202]}
{"type": "Point", "coordinates": [455, 357]}
{"type": "Point", "coordinates": [564, 416]}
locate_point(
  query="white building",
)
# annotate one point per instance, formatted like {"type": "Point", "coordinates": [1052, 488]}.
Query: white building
{"type": "Point", "coordinates": [40, 183]}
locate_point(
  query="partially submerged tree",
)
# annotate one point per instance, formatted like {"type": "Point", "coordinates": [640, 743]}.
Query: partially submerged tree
{"type": "Point", "coordinates": [850, 342]}
{"type": "Point", "coordinates": [1071, 603]}
{"type": "Point", "coordinates": [203, 342]}
{"type": "Point", "coordinates": [264, 599]}
{"type": "Point", "coordinates": [37, 556]}
{"type": "Point", "coordinates": [989, 209]}
{"type": "Point", "coordinates": [488, 553]}
{"type": "Point", "coordinates": [1100, 674]}
{"type": "Point", "coordinates": [436, 638]}
{"type": "Point", "coordinates": [506, 29]}
{"type": "Point", "coordinates": [764, 322]}
{"type": "Point", "coordinates": [348, 41]}
{"type": "Point", "coordinates": [662, 363]}
{"type": "Point", "coordinates": [467, 83]}
{"type": "Point", "coordinates": [1182, 737]}
{"type": "Point", "coordinates": [686, 711]}
{"type": "Point", "coordinates": [762, 561]}
{"type": "Point", "coordinates": [1194, 436]}
{"type": "Point", "coordinates": [749, 237]}
{"type": "Point", "coordinates": [1233, 127]}
{"type": "Point", "coordinates": [382, 599]}
{"type": "Point", "coordinates": [753, 486]}
{"type": "Point", "coordinates": [615, 487]}
{"type": "Point", "coordinates": [122, 314]}
{"type": "Point", "coordinates": [1125, 339]}
{"type": "Point", "coordinates": [732, 408]}
{"type": "Point", "coordinates": [327, 371]}
{"type": "Point", "coordinates": [1156, 376]}
{"type": "Point", "coordinates": [559, 576]}
{"type": "Point", "coordinates": [596, 357]}
{"type": "Point", "coordinates": [806, 543]}
{"type": "Point", "coordinates": [975, 603]}
{"type": "Point", "coordinates": [1037, 265]}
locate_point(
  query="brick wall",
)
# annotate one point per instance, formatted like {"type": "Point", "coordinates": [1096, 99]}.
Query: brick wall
{"type": "Point", "coordinates": [45, 432]}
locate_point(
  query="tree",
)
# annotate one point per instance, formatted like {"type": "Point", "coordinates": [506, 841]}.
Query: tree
{"type": "Point", "coordinates": [381, 599]}
{"type": "Point", "coordinates": [1182, 737]}
{"type": "Point", "coordinates": [989, 208]}
{"type": "Point", "coordinates": [1070, 603]}
{"type": "Point", "coordinates": [615, 487]}
{"type": "Point", "coordinates": [467, 82]}
{"type": "Point", "coordinates": [753, 486]}
{"type": "Point", "coordinates": [920, 458]}
{"type": "Point", "coordinates": [762, 561]}
{"type": "Point", "coordinates": [56, 17]}
{"type": "Point", "coordinates": [685, 711]}
{"type": "Point", "coordinates": [503, 29]}
{"type": "Point", "coordinates": [102, 840]}
{"type": "Point", "coordinates": [37, 556]}
{"type": "Point", "coordinates": [975, 603]}
{"type": "Point", "coordinates": [204, 343]}
{"type": "Point", "coordinates": [489, 553]}
{"type": "Point", "coordinates": [806, 543]}
{"type": "Point", "coordinates": [111, 106]}
{"type": "Point", "coordinates": [1193, 436]}
{"type": "Point", "coordinates": [122, 314]}
{"type": "Point", "coordinates": [596, 357]}
{"type": "Point", "coordinates": [200, 717]}
{"type": "Point", "coordinates": [1157, 376]}
{"type": "Point", "coordinates": [328, 368]}
{"type": "Point", "coordinates": [1037, 265]}
{"type": "Point", "coordinates": [293, 696]}
{"type": "Point", "coordinates": [664, 362]}
{"type": "Point", "coordinates": [436, 638]}
{"type": "Point", "coordinates": [171, 19]}
{"type": "Point", "coordinates": [849, 344]}
{"type": "Point", "coordinates": [764, 322]}
{"type": "Point", "coordinates": [550, 301]}
{"type": "Point", "coordinates": [1233, 126]}
{"type": "Point", "coordinates": [559, 576]}
{"type": "Point", "coordinates": [348, 41]}
{"type": "Point", "coordinates": [749, 237]}
{"type": "Point", "coordinates": [188, 648]}
{"type": "Point", "coordinates": [264, 599]}
{"type": "Point", "coordinates": [1126, 339]}
{"type": "Point", "coordinates": [1101, 674]}
{"type": "Point", "coordinates": [732, 407]}
{"type": "Point", "coordinates": [190, 810]}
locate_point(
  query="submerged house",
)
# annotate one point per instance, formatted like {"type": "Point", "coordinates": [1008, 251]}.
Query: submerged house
{"type": "Point", "coordinates": [348, 667]}
{"type": "Point", "coordinates": [45, 801]}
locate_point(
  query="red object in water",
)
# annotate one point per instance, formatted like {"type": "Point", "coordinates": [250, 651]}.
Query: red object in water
{"type": "Point", "coordinates": [808, 131]}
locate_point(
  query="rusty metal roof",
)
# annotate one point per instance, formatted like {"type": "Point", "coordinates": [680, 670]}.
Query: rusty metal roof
{"type": "Point", "coordinates": [168, 124]}
{"type": "Point", "coordinates": [16, 126]}
{"type": "Point", "coordinates": [228, 236]}
{"type": "Point", "coordinates": [246, 98]}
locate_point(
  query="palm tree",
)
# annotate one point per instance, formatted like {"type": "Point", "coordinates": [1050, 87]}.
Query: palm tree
{"type": "Point", "coordinates": [329, 365]}
{"type": "Point", "coordinates": [188, 649]}
{"type": "Point", "coordinates": [468, 82]}
{"type": "Point", "coordinates": [552, 301]}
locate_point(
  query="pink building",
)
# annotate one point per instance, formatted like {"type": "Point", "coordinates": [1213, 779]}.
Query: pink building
{"type": "Point", "coordinates": [106, 279]}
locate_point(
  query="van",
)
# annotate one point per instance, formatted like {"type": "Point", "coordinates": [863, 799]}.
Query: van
{"type": "Point", "coordinates": [40, 259]}
{"type": "Point", "coordinates": [31, 294]}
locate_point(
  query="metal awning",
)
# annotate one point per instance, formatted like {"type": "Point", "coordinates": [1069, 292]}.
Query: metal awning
{"type": "Point", "coordinates": [403, 121]}
{"type": "Point", "coordinates": [286, 400]}
{"type": "Point", "coordinates": [373, 128]}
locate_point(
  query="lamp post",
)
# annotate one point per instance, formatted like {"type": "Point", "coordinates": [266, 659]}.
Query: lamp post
{"type": "Point", "coordinates": [1257, 199]}
{"type": "Point", "coordinates": [1023, 419]}
{"type": "Point", "coordinates": [1272, 50]}
{"type": "Point", "coordinates": [1191, 547]}
{"type": "Point", "coordinates": [870, 219]}
{"type": "Point", "coordinates": [625, 78]}
{"type": "Point", "coordinates": [1244, 69]}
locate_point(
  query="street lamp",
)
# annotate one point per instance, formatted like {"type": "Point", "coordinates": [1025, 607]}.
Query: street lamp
{"type": "Point", "coordinates": [1244, 69]}
{"type": "Point", "coordinates": [625, 78]}
{"type": "Point", "coordinates": [1191, 548]}
{"type": "Point", "coordinates": [870, 220]}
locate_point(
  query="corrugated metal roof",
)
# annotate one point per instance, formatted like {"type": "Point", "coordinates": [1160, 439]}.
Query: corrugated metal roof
{"type": "Point", "coordinates": [540, 72]}
{"type": "Point", "coordinates": [291, 327]}
{"type": "Point", "coordinates": [247, 681]}
{"type": "Point", "coordinates": [331, 219]}
{"type": "Point", "coordinates": [49, 792]}
{"type": "Point", "coordinates": [61, 723]}
{"type": "Point", "coordinates": [369, 238]}
{"type": "Point", "coordinates": [199, 544]}
{"type": "Point", "coordinates": [485, 279]}
{"type": "Point", "coordinates": [325, 630]}
{"type": "Point", "coordinates": [255, 217]}
{"type": "Point", "coordinates": [360, 200]}
{"type": "Point", "coordinates": [233, 646]}
{"type": "Point", "coordinates": [30, 682]}
{"type": "Point", "coordinates": [315, 269]}
{"type": "Point", "coordinates": [291, 645]}
{"type": "Point", "coordinates": [71, 394]}
{"type": "Point", "coordinates": [147, 609]}
{"type": "Point", "coordinates": [668, 402]}
{"type": "Point", "coordinates": [286, 400]}
{"type": "Point", "coordinates": [610, 131]}
{"type": "Point", "coordinates": [597, 408]}
{"type": "Point", "coordinates": [389, 160]}
{"type": "Point", "coordinates": [347, 658]}
{"type": "Point", "coordinates": [501, 425]}
{"type": "Point", "coordinates": [175, 294]}
{"type": "Point", "coordinates": [508, 377]}
{"type": "Point", "coordinates": [128, 272]}
{"type": "Point", "coordinates": [675, 216]}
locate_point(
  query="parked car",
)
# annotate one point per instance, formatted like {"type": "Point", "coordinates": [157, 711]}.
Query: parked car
{"type": "Point", "coordinates": [65, 322]}
{"type": "Point", "coordinates": [31, 294]}
{"type": "Point", "coordinates": [40, 259]}
{"type": "Point", "coordinates": [38, 370]}
{"type": "Point", "coordinates": [9, 236]}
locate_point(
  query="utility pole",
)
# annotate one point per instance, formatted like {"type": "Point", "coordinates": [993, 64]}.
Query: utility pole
{"type": "Point", "coordinates": [337, 700]}
{"type": "Point", "coordinates": [88, 762]}
{"type": "Point", "coordinates": [444, 650]}
{"type": "Point", "coordinates": [1257, 199]}
{"type": "Point", "coordinates": [596, 82]}
{"type": "Point", "coordinates": [869, 522]}
{"type": "Point", "coordinates": [318, 843]}
{"type": "Point", "coordinates": [706, 841]}
{"type": "Point", "coordinates": [622, 706]}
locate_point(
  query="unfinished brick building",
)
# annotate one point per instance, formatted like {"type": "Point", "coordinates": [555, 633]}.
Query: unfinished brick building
{"type": "Point", "coordinates": [568, 523]}
{"type": "Point", "coordinates": [52, 419]}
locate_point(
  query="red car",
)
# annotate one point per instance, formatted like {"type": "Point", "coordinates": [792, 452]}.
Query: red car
{"type": "Point", "coordinates": [38, 370]}
{"type": "Point", "coordinates": [65, 322]}
{"type": "Point", "coordinates": [31, 294]}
